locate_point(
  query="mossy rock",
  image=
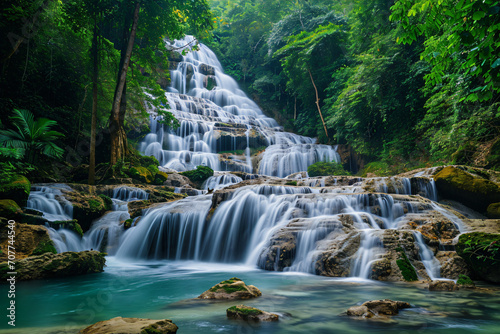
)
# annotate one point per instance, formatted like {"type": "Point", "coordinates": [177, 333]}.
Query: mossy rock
{"type": "Point", "coordinates": [107, 201]}
{"type": "Point", "coordinates": [87, 209]}
{"type": "Point", "coordinates": [9, 209]}
{"type": "Point", "coordinates": [49, 265]}
{"type": "Point", "coordinates": [248, 313]}
{"type": "Point", "coordinates": [404, 264]}
{"type": "Point", "coordinates": [71, 225]}
{"type": "Point", "coordinates": [465, 281]}
{"type": "Point", "coordinates": [18, 190]}
{"type": "Point", "coordinates": [160, 178]}
{"type": "Point", "coordinates": [481, 251]}
{"type": "Point", "coordinates": [493, 211]}
{"type": "Point", "coordinates": [291, 183]}
{"type": "Point", "coordinates": [233, 288]}
{"type": "Point", "coordinates": [141, 174]}
{"type": "Point", "coordinates": [474, 192]}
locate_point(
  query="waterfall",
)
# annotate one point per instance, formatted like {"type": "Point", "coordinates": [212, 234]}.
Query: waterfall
{"type": "Point", "coordinates": [128, 194]}
{"type": "Point", "coordinates": [431, 264]}
{"type": "Point", "coordinates": [369, 250]}
{"type": "Point", "coordinates": [51, 202]}
{"type": "Point", "coordinates": [222, 119]}
{"type": "Point", "coordinates": [221, 180]}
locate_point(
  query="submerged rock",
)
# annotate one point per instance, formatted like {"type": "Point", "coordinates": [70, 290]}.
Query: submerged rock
{"type": "Point", "coordinates": [250, 313]}
{"type": "Point", "coordinates": [442, 286]}
{"type": "Point", "coordinates": [131, 326]}
{"type": "Point", "coordinates": [51, 265]}
{"type": "Point", "coordinates": [377, 309]}
{"type": "Point", "coordinates": [233, 288]}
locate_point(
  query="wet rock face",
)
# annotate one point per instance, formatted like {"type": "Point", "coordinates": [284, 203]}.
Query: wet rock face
{"type": "Point", "coordinates": [473, 191]}
{"type": "Point", "coordinates": [29, 238]}
{"type": "Point", "coordinates": [452, 265]}
{"type": "Point", "coordinates": [377, 309]}
{"type": "Point", "coordinates": [233, 288]}
{"type": "Point", "coordinates": [131, 326]}
{"type": "Point", "coordinates": [248, 313]}
{"type": "Point", "coordinates": [442, 286]}
{"type": "Point", "coordinates": [51, 265]}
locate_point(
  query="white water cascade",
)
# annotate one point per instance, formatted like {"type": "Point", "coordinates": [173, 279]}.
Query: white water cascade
{"type": "Point", "coordinates": [49, 200]}
{"type": "Point", "coordinates": [216, 116]}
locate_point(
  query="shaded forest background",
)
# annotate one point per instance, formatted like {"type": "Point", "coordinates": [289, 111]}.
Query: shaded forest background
{"type": "Point", "coordinates": [406, 84]}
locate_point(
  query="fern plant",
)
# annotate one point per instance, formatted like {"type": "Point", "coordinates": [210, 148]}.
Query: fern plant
{"type": "Point", "coordinates": [31, 138]}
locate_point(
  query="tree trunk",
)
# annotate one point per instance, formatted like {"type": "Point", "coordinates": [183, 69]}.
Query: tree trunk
{"type": "Point", "coordinates": [118, 139]}
{"type": "Point", "coordinates": [317, 103]}
{"type": "Point", "coordinates": [95, 56]}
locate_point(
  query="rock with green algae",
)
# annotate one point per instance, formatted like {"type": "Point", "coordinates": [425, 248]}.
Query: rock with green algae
{"type": "Point", "coordinates": [18, 189]}
{"type": "Point", "coordinates": [493, 210]}
{"type": "Point", "coordinates": [51, 265]}
{"type": "Point", "coordinates": [131, 326]}
{"type": "Point", "coordinates": [9, 209]}
{"type": "Point", "coordinates": [377, 309]}
{"type": "Point", "coordinates": [464, 281]}
{"type": "Point", "coordinates": [141, 174]}
{"type": "Point", "coordinates": [473, 191]}
{"type": "Point", "coordinates": [481, 251]}
{"type": "Point", "coordinates": [248, 313]}
{"type": "Point", "coordinates": [233, 288]}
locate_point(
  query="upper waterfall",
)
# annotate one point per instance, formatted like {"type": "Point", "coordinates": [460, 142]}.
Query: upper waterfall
{"type": "Point", "coordinates": [216, 116]}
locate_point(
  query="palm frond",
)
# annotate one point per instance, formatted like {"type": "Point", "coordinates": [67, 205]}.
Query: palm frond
{"type": "Point", "coordinates": [52, 150]}
{"type": "Point", "coordinates": [24, 121]}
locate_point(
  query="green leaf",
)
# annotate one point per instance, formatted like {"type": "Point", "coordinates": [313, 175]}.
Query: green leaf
{"type": "Point", "coordinates": [496, 63]}
{"type": "Point", "coordinates": [478, 15]}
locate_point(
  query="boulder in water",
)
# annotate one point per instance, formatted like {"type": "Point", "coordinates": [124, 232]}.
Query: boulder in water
{"type": "Point", "coordinates": [442, 286]}
{"type": "Point", "coordinates": [51, 265]}
{"type": "Point", "coordinates": [250, 314]}
{"type": "Point", "coordinates": [131, 326]}
{"type": "Point", "coordinates": [233, 288]}
{"type": "Point", "coordinates": [377, 309]}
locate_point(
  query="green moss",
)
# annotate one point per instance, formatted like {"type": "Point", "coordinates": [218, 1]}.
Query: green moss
{"type": "Point", "coordinates": [107, 201]}
{"type": "Point", "coordinates": [246, 310]}
{"type": "Point", "coordinates": [230, 281]}
{"type": "Point", "coordinates": [291, 183]}
{"type": "Point", "coordinates": [235, 288]}
{"type": "Point", "coordinates": [160, 178]}
{"type": "Point", "coordinates": [18, 189]}
{"type": "Point", "coordinates": [322, 168]}
{"type": "Point", "coordinates": [151, 330]}
{"type": "Point", "coordinates": [493, 211]}
{"type": "Point", "coordinates": [464, 280]}
{"type": "Point", "coordinates": [128, 223]}
{"type": "Point", "coordinates": [404, 264]}
{"type": "Point", "coordinates": [141, 174]}
{"type": "Point", "coordinates": [68, 224]}
{"type": "Point", "coordinates": [199, 175]}
{"type": "Point", "coordinates": [95, 205]}
{"type": "Point", "coordinates": [44, 247]}
{"type": "Point", "coordinates": [378, 168]}
{"type": "Point", "coordinates": [459, 185]}
{"type": "Point", "coordinates": [9, 208]}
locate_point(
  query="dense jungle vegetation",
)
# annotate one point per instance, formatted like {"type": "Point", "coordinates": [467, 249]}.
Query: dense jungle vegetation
{"type": "Point", "coordinates": [404, 83]}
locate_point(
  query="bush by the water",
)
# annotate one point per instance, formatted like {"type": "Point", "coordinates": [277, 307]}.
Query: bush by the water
{"type": "Point", "coordinates": [200, 174]}
{"type": "Point", "coordinates": [323, 168]}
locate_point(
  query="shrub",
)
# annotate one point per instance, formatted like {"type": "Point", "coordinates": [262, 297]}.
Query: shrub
{"type": "Point", "coordinates": [323, 168]}
{"type": "Point", "coordinates": [200, 174]}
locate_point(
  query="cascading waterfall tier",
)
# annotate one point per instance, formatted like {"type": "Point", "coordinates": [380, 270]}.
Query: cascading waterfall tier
{"type": "Point", "coordinates": [216, 116]}
{"type": "Point", "coordinates": [49, 200]}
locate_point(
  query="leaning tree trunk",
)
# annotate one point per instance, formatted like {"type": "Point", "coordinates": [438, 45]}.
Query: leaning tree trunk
{"type": "Point", "coordinates": [317, 103]}
{"type": "Point", "coordinates": [117, 133]}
